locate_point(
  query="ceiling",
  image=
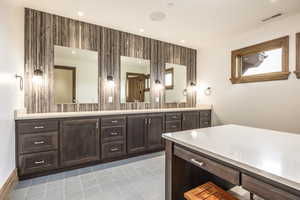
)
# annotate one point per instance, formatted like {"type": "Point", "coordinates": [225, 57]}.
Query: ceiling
{"type": "Point", "coordinates": [197, 22]}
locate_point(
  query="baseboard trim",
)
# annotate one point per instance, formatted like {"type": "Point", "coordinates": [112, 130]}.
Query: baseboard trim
{"type": "Point", "coordinates": [9, 185]}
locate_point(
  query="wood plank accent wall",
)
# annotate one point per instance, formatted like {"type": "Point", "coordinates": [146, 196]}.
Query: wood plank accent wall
{"type": "Point", "coordinates": [43, 31]}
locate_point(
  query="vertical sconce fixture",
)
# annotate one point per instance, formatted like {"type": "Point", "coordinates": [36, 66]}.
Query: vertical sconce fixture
{"type": "Point", "coordinates": [37, 76]}
{"type": "Point", "coordinates": [193, 87]}
{"type": "Point", "coordinates": [21, 81]}
{"type": "Point", "coordinates": [110, 81]}
{"type": "Point", "coordinates": [158, 85]}
{"type": "Point", "coordinates": [207, 91]}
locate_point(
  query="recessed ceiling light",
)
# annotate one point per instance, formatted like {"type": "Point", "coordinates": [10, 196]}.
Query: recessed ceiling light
{"type": "Point", "coordinates": [80, 13]}
{"type": "Point", "coordinates": [170, 4]}
{"type": "Point", "coordinates": [157, 16]}
{"type": "Point", "coordinates": [142, 30]}
{"type": "Point", "coordinates": [73, 52]}
{"type": "Point", "coordinates": [182, 41]}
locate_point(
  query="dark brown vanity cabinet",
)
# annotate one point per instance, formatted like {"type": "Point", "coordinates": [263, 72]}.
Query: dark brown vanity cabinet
{"type": "Point", "coordinates": [113, 137]}
{"type": "Point", "coordinates": [190, 120]}
{"type": "Point", "coordinates": [144, 132]}
{"type": "Point", "coordinates": [49, 145]}
{"type": "Point", "coordinates": [79, 141]}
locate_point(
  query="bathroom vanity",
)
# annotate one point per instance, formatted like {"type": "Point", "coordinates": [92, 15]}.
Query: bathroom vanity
{"type": "Point", "coordinates": [52, 142]}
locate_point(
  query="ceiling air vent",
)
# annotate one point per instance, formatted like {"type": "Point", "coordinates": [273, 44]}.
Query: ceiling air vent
{"type": "Point", "coordinates": [272, 17]}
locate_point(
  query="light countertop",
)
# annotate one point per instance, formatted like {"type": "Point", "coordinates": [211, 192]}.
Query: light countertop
{"type": "Point", "coordinates": [272, 154]}
{"type": "Point", "coordinates": [25, 116]}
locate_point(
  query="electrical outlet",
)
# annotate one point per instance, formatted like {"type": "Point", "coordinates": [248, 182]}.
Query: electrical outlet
{"type": "Point", "coordinates": [110, 99]}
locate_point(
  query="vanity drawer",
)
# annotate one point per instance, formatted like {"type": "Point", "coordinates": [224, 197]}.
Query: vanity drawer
{"type": "Point", "coordinates": [113, 149]}
{"type": "Point", "coordinates": [222, 171]}
{"type": "Point", "coordinates": [265, 190]}
{"type": "Point", "coordinates": [113, 121]}
{"type": "Point", "coordinates": [38, 162]}
{"type": "Point", "coordinates": [173, 116]}
{"type": "Point", "coordinates": [109, 134]}
{"type": "Point", "coordinates": [30, 143]}
{"type": "Point", "coordinates": [204, 123]}
{"type": "Point", "coordinates": [205, 114]}
{"type": "Point", "coordinates": [173, 126]}
{"type": "Point", "coordinates": [37, 126]}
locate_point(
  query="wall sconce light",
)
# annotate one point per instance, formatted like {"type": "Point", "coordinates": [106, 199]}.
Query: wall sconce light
{"type": "Point", "coordinates": [158, 85]}
{"type": "Point", "coordinates": [21, 81]}
{"type": "Point", "coordinates": [110, 81]}
{"type": "Point", "coordinates": [37, 76]}
{"type": "Point", "coordinates": [207, 91]}
{"type": "Point", "coordinates": [192, 87]}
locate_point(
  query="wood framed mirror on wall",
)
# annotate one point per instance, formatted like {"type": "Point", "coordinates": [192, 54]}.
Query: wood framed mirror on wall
{"type": "Point", "coordinates": [266, 61]}
{"type": "Point", "coordinates": [297, 72]}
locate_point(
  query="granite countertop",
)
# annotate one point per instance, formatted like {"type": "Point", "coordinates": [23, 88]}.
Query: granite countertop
{"type": "Point", "coordinates": [272, 154]}
{"type": "Point", "coordinates": [25, 116]}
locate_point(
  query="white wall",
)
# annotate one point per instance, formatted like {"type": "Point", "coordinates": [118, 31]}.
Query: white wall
{"type": "Point", "coordinates": [273, 105]}
{"type": "Point", "coordinates": [11, 62]}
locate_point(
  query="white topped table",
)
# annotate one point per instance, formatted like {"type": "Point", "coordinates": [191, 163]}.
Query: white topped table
{"type": "Point", "coordinates": [267, 156]}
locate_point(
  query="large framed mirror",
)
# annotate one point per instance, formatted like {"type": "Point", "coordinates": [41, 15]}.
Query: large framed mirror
{"type": "Point", "coordinates": [266, 61]}
{"type": "Point", "coordinates": [297, 72]}
{"type": "Point", "coordinates": [75, 75]}
{"type": "Point", "coordinates": [134, 80]}
{"type": "Point", "coordinates": [175, 83]}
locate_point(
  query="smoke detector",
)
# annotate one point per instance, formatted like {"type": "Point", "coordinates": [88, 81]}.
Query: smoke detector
{"type": "Point", "coordinates": [157, 16]}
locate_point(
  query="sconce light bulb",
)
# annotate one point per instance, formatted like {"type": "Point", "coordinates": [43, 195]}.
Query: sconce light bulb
{"type": "Point", "coordinates": [158, 85]}
{"type": "Point", "coordinates": [207, 91]}
{"type": "Point", "coordinates": [37, 76]}
{"type": "Point", "coordinates": [110, 82]}
{"type": "Point", "coordinates": [193, 87]}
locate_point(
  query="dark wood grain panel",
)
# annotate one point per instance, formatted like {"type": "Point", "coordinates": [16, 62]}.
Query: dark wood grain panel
{"type": "Point", "coordinates": [222, 171]}
{"type": "Point", "coordinates": [265, 190]}
{"type": "Point", "coordinates": [38, 162]}
{"type": "Point", "coordinates": [113, 149]}
{"type": "Point", "coordinates": [43, 31]}
{"type": "Point", "coordinates": [37, 142]}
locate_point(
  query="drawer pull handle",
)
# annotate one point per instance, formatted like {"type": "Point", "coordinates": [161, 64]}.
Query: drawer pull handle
{"type": "Point", "coordinates": [39, 142]}
{"type": "Point", "coordinates": [114, 121]}
{"type": "Point", "coordinates": [39, 127]}
{"type": "Point", "coordinates": [206, 122]}
{"type": "Point", "coordinates": [174, 117]}
{"type": "Point", "coordinates": [114, 133]}
{"type": "Point", "coordinates": [200, 164]}
{"type": "Point", "coordinates": [174, 126]}
{"type": "Point", "coordinates": [114, 149]}
{"type": "Point", "coordinates": [39, 162]}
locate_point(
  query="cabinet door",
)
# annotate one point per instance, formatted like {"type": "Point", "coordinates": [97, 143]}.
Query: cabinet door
{"type": "Point", "coordinates": [155, 130]}
{"type": "Point", "coordinates": [79, 141]}
{"type": "Point", "coordinates": [190, 120]}
{"type": "Point", "coordinates": [136, 133]}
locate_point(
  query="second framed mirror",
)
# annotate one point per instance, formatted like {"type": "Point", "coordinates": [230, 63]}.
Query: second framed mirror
{"type": "Point", "coordinates": [175, 83]}
{"type": "Point", "coordinates": [135, 80]}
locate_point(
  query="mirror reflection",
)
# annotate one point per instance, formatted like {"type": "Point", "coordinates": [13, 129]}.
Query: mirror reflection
{"type": "Point", "coordinates": [175, 83]}
{"type": "Point", "coordinates": [262, 62]}
{"type": "Point", "coordinates": [135, 80]}
{"type": "Point", "coordinates": [75, 75]}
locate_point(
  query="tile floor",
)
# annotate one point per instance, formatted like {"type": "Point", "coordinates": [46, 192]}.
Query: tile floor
{"type": "Point", "coordinates": [140, 178]}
